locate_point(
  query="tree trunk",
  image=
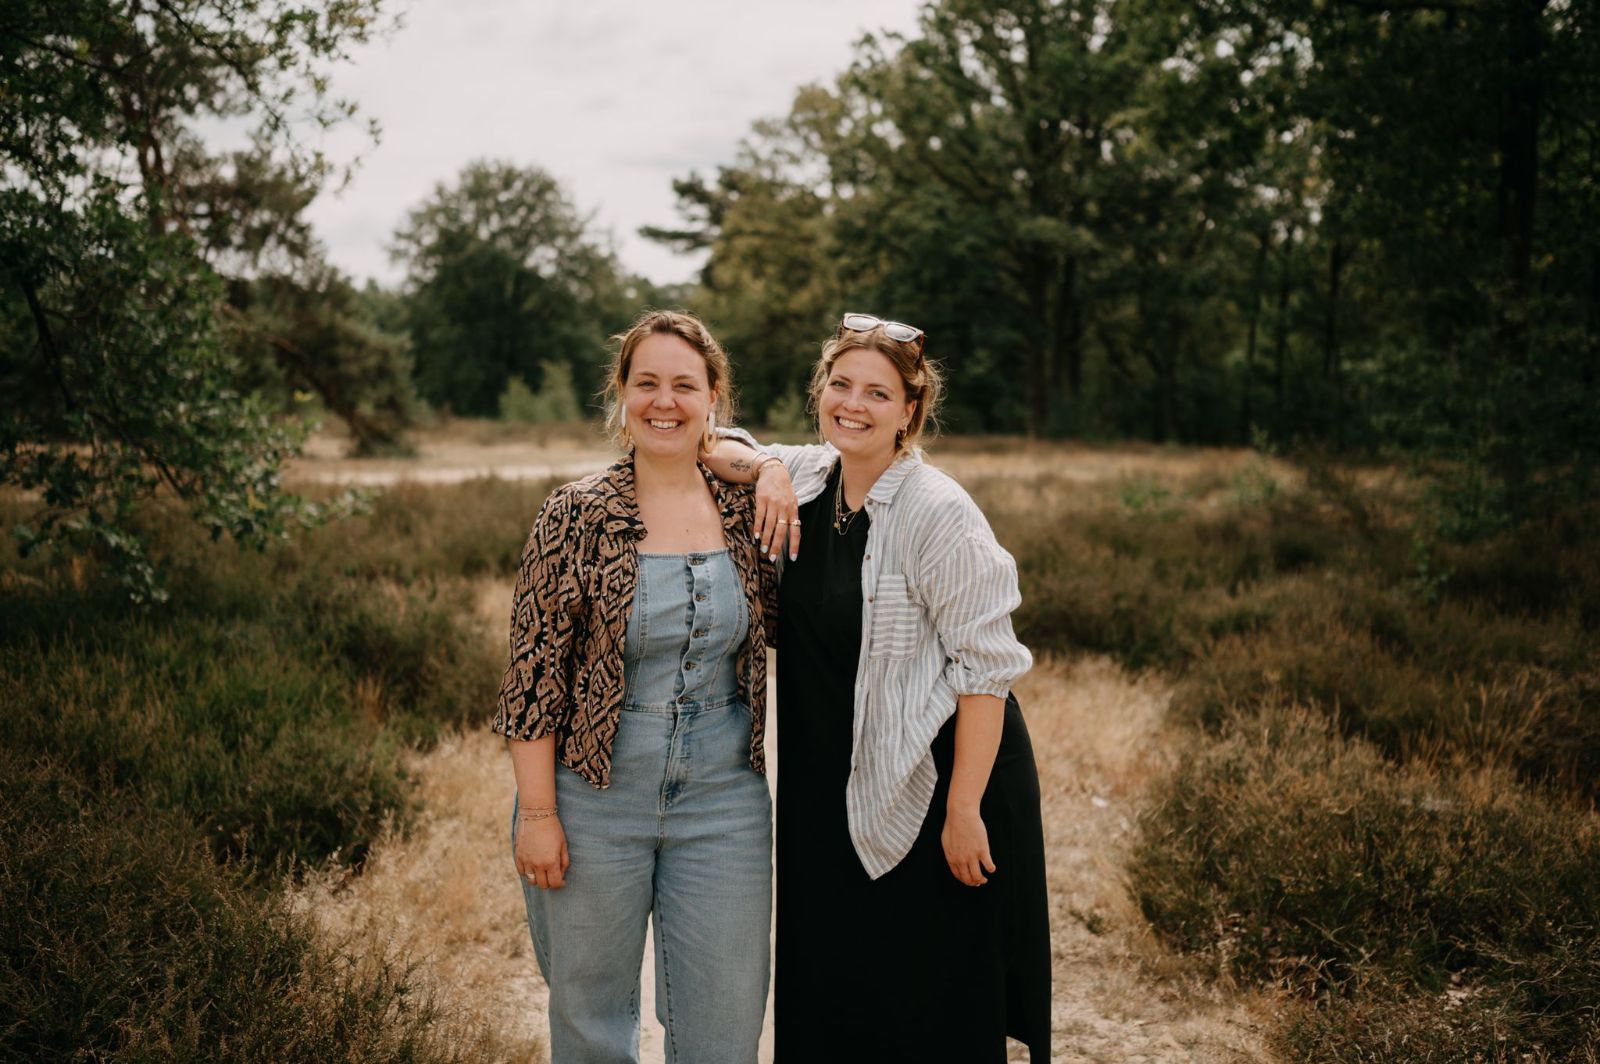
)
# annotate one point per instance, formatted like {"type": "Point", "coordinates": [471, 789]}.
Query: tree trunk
{"type": "Point", "coordinates": [1280, 353]}
{"type": "Point", "coordinates": [1166, 418]}
{"type": "Point", "coordinates": [1039, 348]}
{"type": "Point", "coordinates": [1591, 366]}
{"type": "Point", "coordinates": [1520, 113]}
{"type": "Point", "coordinates": [1071, 309]}
{"type": "Point", "coordinates": [1338, 258]}
{"type": "Point", "coordinates": [1247, 405]}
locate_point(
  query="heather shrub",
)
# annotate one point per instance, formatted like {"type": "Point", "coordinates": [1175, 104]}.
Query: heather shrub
{"type": "Point", "coordinates": [1449, 681]}
{"type": "Point", "coordinates": [1293, 855]}
{"type": "Point", "coordinates": [280, 724]}
{"type": "Point", "coordinates": [1466, 1023]}
{"type": "Point", "coordinates": [1314, 596]}
{"type": "Point", "coordinates": [1543, 570]}
{"type": "Point", "coordinates": [1411, 850]}
{"type": "Point", "coordinates": [1155, 588]}
{"type": "Point", "coordinates": [160, 767]}
{"type": "Point", "coordinates": [124, 941]}
{"type": "Point", "coordinates": [415, 532]}
{"type": "Point", "coordinates": [271, 697]}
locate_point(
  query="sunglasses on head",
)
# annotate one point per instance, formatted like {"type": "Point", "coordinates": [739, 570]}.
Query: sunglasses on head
{"type": "Point", "coordinates": [898, 331]}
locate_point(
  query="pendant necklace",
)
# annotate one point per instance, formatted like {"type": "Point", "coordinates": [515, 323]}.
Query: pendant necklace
{"type": "Point", "coordinates": [841, 515]}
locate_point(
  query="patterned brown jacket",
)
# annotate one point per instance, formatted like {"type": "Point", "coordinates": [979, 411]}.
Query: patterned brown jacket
{"type": "Point", "coordinates": [569, 616]}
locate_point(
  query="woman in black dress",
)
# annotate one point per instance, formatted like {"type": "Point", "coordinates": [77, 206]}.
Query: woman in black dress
{"type": "Point", "coordinates": [912, 906]}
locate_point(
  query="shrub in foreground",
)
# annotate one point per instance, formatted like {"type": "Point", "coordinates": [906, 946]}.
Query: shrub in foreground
{"type": "Point", "coordinates": [124, 941]}
{"type": "Point", "coordinates": [1297, 857]}
{"type": "Point", "coordinates": [1470, 1024]}
{"type": "Point", "coordinates": [277, 726]}
{"type": "Point", "coordinates": [1492, 658]}
{"type": "Point", "coordinates": [1419, 681]}
{"type": "Point", "coordinates": [270, 699]}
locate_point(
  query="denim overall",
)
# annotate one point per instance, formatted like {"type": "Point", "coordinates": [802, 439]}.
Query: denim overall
{"type": "Point", "coordinates": [683, 832]}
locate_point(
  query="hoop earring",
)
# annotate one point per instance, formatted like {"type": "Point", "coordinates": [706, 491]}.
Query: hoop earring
{"type": "Point", "coordinates": [709, 440]}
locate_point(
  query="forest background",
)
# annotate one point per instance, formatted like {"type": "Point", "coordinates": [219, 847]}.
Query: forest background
{"type": "Point", "coordinates": [1356, 233]}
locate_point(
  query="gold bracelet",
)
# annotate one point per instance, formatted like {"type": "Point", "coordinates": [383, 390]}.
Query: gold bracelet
{"type": "Point", "coordinates": [529, 813]}
{"type": "Point", "coordinates": [755, 476]}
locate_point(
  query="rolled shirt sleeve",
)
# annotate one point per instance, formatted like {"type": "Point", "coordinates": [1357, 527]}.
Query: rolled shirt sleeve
{"type": "Point", "coordinates": [536, 691]}
{"type": "Point", "coordinates": [731, 432]}
{"type": "Point", "coordinates": [970, 589]}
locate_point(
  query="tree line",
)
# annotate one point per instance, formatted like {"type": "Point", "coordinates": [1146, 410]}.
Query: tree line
{"type": "Point", "coordinates": [1357, 224]}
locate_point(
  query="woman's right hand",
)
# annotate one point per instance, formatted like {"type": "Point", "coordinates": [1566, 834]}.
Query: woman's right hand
{"type": "Point", "coordinates": [541, 853]}
{"type": "Point", "coordinates": [777, 512]}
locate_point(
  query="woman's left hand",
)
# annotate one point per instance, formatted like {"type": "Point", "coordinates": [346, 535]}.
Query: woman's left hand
{"type": "Point", "coordinates": [777, 512]}
{"type": "Point", "coordinates": [966, 846]}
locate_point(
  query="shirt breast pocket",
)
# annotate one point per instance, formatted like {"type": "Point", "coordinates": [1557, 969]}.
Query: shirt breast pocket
{"type": "Point", "coordinates": [895, 622]}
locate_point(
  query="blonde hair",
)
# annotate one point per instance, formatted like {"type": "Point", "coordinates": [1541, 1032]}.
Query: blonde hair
{"type": "Point", "coordinates": [919, 376]}
{"type": "Point", "coordinates": [687, 328]}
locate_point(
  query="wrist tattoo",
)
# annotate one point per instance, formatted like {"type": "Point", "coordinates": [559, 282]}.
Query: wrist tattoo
{"type": "Point", "coordinates": [740, 465]}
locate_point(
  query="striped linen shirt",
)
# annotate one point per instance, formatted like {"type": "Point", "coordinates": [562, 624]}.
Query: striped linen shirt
{"type": "Point", "coordinates": [937, 592]}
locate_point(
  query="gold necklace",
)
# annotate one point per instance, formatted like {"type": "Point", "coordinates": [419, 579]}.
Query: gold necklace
{"type": "Point", "coordinates": [841, 515]}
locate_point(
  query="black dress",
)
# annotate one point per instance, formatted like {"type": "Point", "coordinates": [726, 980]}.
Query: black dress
{"type": "Point", "coordinates": [914, 965]}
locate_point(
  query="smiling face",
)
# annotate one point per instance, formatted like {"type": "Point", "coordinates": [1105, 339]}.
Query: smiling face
{"type": "Point", "coordinates": [667, 396]}
{"type": "Point", "coordinates": [863, 404]}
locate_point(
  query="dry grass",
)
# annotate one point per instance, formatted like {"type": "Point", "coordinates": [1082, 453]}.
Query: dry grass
{"type": "Point", "coordinates": [1119, 994]}
{"type": "Point", "coordinates": [442, 896]}
{"type": "Point", "coordinates": [972, 461]}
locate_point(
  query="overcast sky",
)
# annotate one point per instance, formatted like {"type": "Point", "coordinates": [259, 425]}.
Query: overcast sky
{"type": "Point", "coordinates": [613, 97]}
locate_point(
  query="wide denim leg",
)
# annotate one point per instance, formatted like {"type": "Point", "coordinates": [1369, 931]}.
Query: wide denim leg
{"type": "Point", "coordinates": [713, 896]}
{"type": "Point", "coordinates": [588, 936]}
{"type": "Point", "coordinates": [684, 830]}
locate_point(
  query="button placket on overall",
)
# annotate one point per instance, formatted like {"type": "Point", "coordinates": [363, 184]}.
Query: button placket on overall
{"type": "Point", "coordinates": [716, 625]}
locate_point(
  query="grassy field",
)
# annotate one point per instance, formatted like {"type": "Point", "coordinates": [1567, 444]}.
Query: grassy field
{"type": "Point", "coordinates": [1376, 804]}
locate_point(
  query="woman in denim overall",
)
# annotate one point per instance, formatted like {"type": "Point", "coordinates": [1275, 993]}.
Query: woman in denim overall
{"type": "Point", "coordinates": [634, 706]}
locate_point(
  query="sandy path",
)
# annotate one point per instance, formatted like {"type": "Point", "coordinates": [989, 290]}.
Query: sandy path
{"type": "Point", "coordinates": [445, 458]}
{"type": "Point", "coordinates": [442, 459]}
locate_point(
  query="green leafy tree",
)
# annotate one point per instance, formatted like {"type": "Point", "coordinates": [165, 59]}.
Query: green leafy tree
{"type": "Point", "coordinates": [503, 276]}
{"type": "Point", "coordinates": [1015, 178]}
{"type": "Point", "coordinates": [297, 322]}
{"type": "Point", "coordinates": [1187, 213]}
{"type": "Point", "coordinates": [119, 381]}
{"type": "Point", "coordinates": [986, 130]}
{"type": "Point", "coordinates": [314, 329]}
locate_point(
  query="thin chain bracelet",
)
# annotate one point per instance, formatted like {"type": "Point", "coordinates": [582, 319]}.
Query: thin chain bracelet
{"type": "Point", "coordinates": [536, 814]}
{"type": "Point", "coordinates": [762, 463]}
